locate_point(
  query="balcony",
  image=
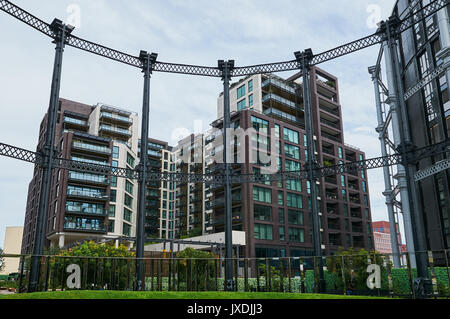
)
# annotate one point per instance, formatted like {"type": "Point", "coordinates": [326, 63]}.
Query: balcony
{"type": "Point", "coordinates": [91, 194]}
{"type": "Point", "coordinates": [75, 122]}
{"type": "Point", "coordinates": [281, 101]}
{"type": "Point", "coordinates": [279, 84]}
{"type": "Point", "coordinates": [354, 199]}
{"type": "Point", "coordinates": [85, 209]}
{"type": "Point", "coordinates": [328, 150]}
{"type": "Point", "coordinates": [285, 116]}
{"type": "Point", "coordinates": [115, 130]}
{"type": "Point", "coordinates": [356, 213]}
{"type": "Point", "coordinates": [335, 125]}
{"type": "Point", "coordinates": [357, 228]}
{"type": "Point", "coordinates": [331, 180]}
{"type": "Point", "coordinates": [89, 178]}
{"type": "Point", "coordinates": [96, 149]}
{"type": "Point", "coordinates": [336, 138]}
{"type": "Point", "coordinates": [353, 186]}
{"type": "Point", "coordinates": [85, 225]}
{"type": "Point", "coordinates": [111, 117]}
{"type": "Point", "coordinates": [331, 195]}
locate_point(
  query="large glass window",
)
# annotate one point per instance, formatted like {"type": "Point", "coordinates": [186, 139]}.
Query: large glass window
{"type": "Point", "coordinates": [130, 160]}
{"type": "Point", "coordinates": [292, 166]}
{"type": "Point", "coordinates": [127, 214]}
{"type": "Point", "coordinates": [128, 201]}
{"type": "Point", "coordinates": [292, 151]}
{"type": "Point", "coordinates": [262, 213]}
{"type": "Point", "coordinates": [115, 153]}
{"type": "Point", "coordinates": [260, 125]}
{"type": "Point", "coordinates": [126, 230]}
{"type": "Point", "coordinates": [250, 100]}
{"type": "Point", "coordinates": [250, 86]}
{"type": "Point", "coordinates": [264, 232]}
{"type": "Point", "coordinates": [296, 235]}
{"type": "Point", "coordinates": [295, 217]}
{"type": "Point", "coordinates": [110, 226]}
{"type": "Point", "coordinates": [262, 194]}
{"type": "Point", "coordinates": [129, 187]}
{"type": "Point", "coordinates": [241, 105]}
{"type": "Point", "coordinates": [294, 185]}
{"type": "Point", "coordinates": [294, 200]}
{"type": "Point", "coordinates": [281, 198]}
{"type": "Point", "coordinates": [290, 135]}
{"type": "Point", "coordinates": [112, 210]}
{"type": "Point", "coordinates": [241, 91]}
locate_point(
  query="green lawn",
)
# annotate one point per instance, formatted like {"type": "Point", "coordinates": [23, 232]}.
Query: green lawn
{"type": "Point", "coordinates": [172, 295]}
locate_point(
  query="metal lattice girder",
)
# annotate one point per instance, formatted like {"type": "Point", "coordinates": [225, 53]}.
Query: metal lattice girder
{"type": "Point", "coordinates": [26, 17]}
{"type": "Point", "coordinates": [187, 69]}
{"type": "Point", "coordinates": [132, 60]}
{"type": "Point", "coordinates": [430, 171]}
{"type": "Point", "coordinates": [96, 169]}
{"type": "Point", "coordinates": [266, 68]}
{"type": "Point", "coordinates": [424, 81]}
{"type": "Point", "coordinates": [103, 51]}
{"type": "Point", "coordinates": [19, 153]}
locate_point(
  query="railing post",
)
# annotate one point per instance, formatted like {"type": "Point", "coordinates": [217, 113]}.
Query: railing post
{"type": "Point", "coordinates": [304, 60]}
{"type": "Point", "coordinates": [226, 67]}
{"type": "Point", "coordinates": [148, 61]}
{"type": "Point", "coordinates": [61, 33]}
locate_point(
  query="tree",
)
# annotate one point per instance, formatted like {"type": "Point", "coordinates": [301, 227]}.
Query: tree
{"type": "Point", "coordinates": [2, 260]}
{"type": "Point", "coordinates": [196, 269]}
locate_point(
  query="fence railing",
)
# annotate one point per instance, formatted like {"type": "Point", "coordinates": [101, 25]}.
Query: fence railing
{"type": "Point", "coordinates": [370, 274]}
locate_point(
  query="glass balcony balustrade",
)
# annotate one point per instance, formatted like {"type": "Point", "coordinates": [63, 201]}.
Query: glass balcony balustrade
{"type": "Point", "coordinates": [116, 130]}
{"type": "Point", "coordinates": [91, 147]}
{"type": "Point", "coordinates": [283, 115]}
{"type": "Point", "coordinates": [72, 120]}
{"type": "Point", "coordinates": [279, 84]}
{"type": "Point", "coordinates": [86, 192]}
{"type": "Point", "coordinates": [88, 177]}
{"type": "Point", "coordinates": [116, 117]}
{"type": "Point", "coordinates": [281, 100]}
{"type": "Point", "coordinates": [84, 224]}
{"type": "Point", "coordinates": [85, 208]}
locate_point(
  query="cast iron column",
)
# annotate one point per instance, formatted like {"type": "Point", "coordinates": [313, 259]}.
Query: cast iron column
{"type": "Point", "coordinates": [417, 224]}
{"type": "Point", "coordinates": [226, 67]}
{"type": "Point", "coordinates": [61, 32]}
{"type": "Point", "coordinates": [304, 59]}
{"type": "Point", "coordinates": [148, 61]}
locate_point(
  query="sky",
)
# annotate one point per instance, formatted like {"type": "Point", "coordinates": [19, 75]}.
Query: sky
{"type": "Point", "coordinates": [182, 31]}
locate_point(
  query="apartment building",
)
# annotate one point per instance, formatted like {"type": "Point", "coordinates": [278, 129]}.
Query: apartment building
{"type": "Point", "coordinates": [276, 216]}
{"type": "Point", "coordinates": [87, 205]}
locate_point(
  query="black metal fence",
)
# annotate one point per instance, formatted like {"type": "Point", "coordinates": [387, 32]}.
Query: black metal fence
{"type": "Point", "coordinates": [369, 274]}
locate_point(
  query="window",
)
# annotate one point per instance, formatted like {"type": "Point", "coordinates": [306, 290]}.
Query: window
{"type": "Point", "coordinates": [345, 210]}
{"type": "Point", "coordinates": [294, 185]}
{"type": "Point", "coordinates": [264, 232]}
{"type": "Point", "coordinates": [241, 105]}
{"type": "Point", "coordinates": [130, 160]}
{"type": "Point", "coordinates": [342, 180]}
{"type": "Point", "coordinates": [110, 226]}
{"type": "Point", "coordinates": [277, 131]}
{"type": "Point", "coordinates": [128, 201]}
{"type": "Point", "coordinates": [295, 217]}
{"type": "Point", "coordinates": [129, 187]}
{"type": "Point", "coordinates": [294, 200]}
{"type": "Point", "coordinates": [260, 125]}
{"type": "Point", "coordinates": [112, 196]}
{"type": "Point", "coordinates": [112, 210]}
{"type": "Point", "coordinates": [126, 230]}
{"type": "Point", "coordinates": [241, 92]}
{"type": "Point", "coordinates": [292, 166]}
{"type": "Point", "coordinates": [308, 187]}
{"type": "Point", "coordinates": [305, 140]}
{"type": "Point", "coordinates": [297, 235]}
{"type": "Point", "coordinates": [250, 86]}
{"type": "Point", "coordinates": [280, 198]}
{"type": "Point", "coordinates": [127, 215]}
{"type": "Point", "coordinates": [292, 151]}
{"type": "Point", "coordinates": [290, 135]}
{"type": "Point", "coordinates": [113, 181]}
{"type": "Point", "coordinates": [340, 152]}
{"type": "Point", "coordinates": [262, 194]}
{"type": "Point", "coordinates": [250, 100]}
{"type": "Point", "coordinates": [115, 153]}
{"type": "Point", "coordinates": [282, 236]}
{"type": "Point", "coordinates": [262, 213]}
{"type": "Point", "coordinates": [257, 171]}
{"type": "Point", "coordinates": [281, 215]}
{"type": "Point", "coordinates": [364, 187]}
